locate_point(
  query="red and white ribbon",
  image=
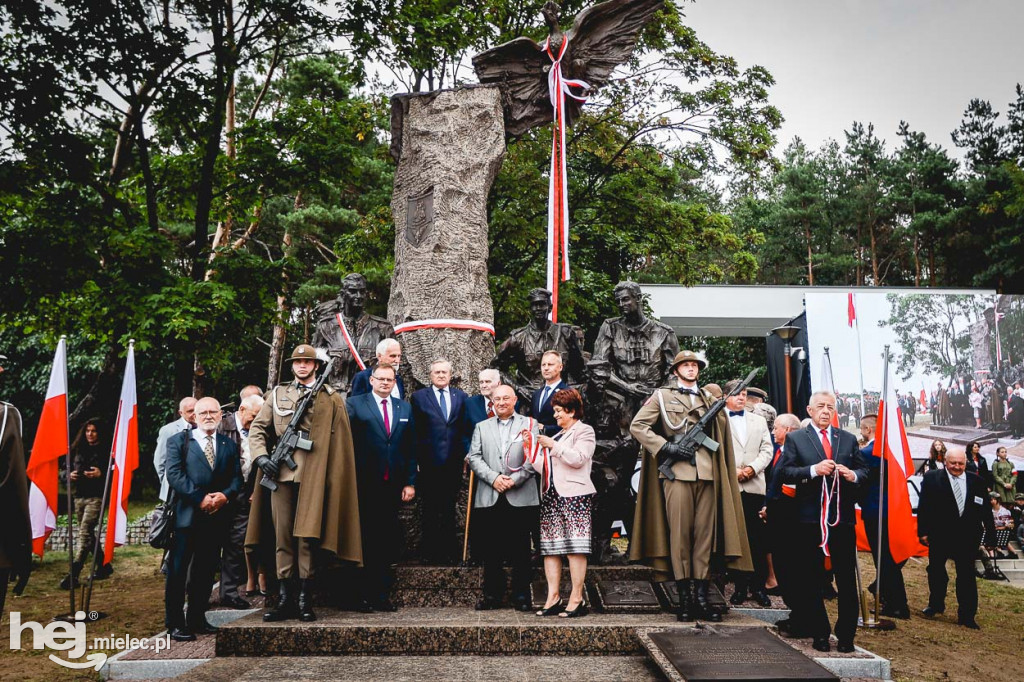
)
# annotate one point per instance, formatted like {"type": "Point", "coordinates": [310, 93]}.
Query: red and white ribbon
{"type": "Point", "coordinates": [444, 323]}
{"type": "Point", "coordinates": [828, 492]}
{"type": "Point", "coordinates": [558, 203]}
{"type": "Point", "coordinates": [533, 451]}
{"type": "Point", "coordinates": [348, 342]}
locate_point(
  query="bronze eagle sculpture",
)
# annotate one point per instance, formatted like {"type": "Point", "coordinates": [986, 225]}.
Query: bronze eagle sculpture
{"type": "Point", "coordinates": [602, 37]}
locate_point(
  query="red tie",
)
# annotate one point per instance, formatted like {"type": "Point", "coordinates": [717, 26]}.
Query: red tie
{"type": "Point", "coordinates": [826, 444]}
{"type": "Point", "coordinates": [387, 422]}
{"type": "Point", "coordinates": [490, 409]}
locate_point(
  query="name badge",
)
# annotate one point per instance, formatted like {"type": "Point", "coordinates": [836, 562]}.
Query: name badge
{"type": "Point", "coordinates": [403, 420]}
{"type": "Point", "coordinates": [978, 500]}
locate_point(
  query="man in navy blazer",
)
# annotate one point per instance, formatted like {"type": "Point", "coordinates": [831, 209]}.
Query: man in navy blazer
{"type": "Point", "coordinates": [540, 406]}
{"type": "Point", "coordinates": [823, 455]}
{"type": "Point", "coordinates": [442, 437]}
{"type": "Point", "coordinates": [204, 472]}
{"type": "Point", "coordinates": [479, 407]}
{"type": "Point", "coordinates": [389, 352]}
{"type": "Point", "coordinates": [382, 433]}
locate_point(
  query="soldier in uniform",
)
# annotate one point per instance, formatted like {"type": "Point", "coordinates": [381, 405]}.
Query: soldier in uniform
{"type": "Point", "coordinates": [315, 506]}
{"type": "Point", "coordinates": [365, 331]}
{"type": "Point", "coordinates": [16, 532]}
{"type": "Point", "coordinates": [680, 523]}
{"type": "Point", "coordinates": [525, 346]}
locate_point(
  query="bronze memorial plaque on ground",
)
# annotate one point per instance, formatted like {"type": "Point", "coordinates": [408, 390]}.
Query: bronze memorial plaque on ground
{"type": "Point", "coordinates": [627, 596]}
{"type": "Point", "coordinates": [696, 655]}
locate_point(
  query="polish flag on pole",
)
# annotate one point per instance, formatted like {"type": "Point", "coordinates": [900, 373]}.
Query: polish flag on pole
{"type": "Point", "coordinates": [126, 459]}
{"type": "Point", "coordinates": [891, 443]}
{"type": "Point", "coordinates": [827, 384]}
{"type": "Point", "coordinates": [50, 445]}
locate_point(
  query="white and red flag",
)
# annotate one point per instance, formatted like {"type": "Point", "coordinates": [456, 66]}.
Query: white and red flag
{"type": "Point", "coordinates": [891, 444]}
{"type": "Point", "coordinates": [827, 384]}
{"type": "Point", "coordinates": [51, 443]}
{"type": "Point", "coordinates": [126, 459]}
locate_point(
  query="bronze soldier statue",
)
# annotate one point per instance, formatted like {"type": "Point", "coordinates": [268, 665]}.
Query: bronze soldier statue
{"type": "Point", "coordinates": [632, 357]}
{"type": "Point", "coordinates": [523, 349]}
{"type": "Point", "coordinates": [365, 331]}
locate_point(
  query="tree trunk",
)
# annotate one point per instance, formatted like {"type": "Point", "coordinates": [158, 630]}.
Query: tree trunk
{"type": "Point", "coordinates": [223, 233]}
{"type": "Point", "coordinates": [917, 264]}
{"type": "Point", "coordinates": [810, 254]}
{"type": "Point", "coordinates": [874, 255]}
{"type": "Point", "coordinates": [277, 339]}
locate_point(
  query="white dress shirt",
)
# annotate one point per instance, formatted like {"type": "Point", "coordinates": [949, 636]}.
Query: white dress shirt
{"type": "Point", "coordinates": [739, 427]}
{"type": "Point", "coordinates": [200, 437]}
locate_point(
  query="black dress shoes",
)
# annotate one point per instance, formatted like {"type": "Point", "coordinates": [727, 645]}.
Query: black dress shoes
{"type": "Point", "coordinates": [972, 624]}
{"type": "Point", "coordinates": [761, 598]}
{"type": "Point", "coordinates": [929, 612]}
{"type": "Point", "coordinates": [182, 635]}
{"type": "Point", "coordinates": [903, 613]}
{"type": "Point", "coordinates": [203, 628]}
{"type": "Point", "coordinates": [738, 597]}
{"type": "Point", "coordinates": [385, 605]}
{"type": "Point", "coordinates": [363, 606]}
{"type": "Point", "coordinates": [523, 606]}
{"type": "Point", "coordinates": [552, 610]}
{"type": "Point", "coordinates": [845, 647]}
{"type": "Point", "coordinates": [821, 644]}
{"type": "Point", "coordinates": [236, 603]}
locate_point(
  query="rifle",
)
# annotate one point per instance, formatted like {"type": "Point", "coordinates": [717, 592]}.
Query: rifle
{"type": "Point", "coordinates": [293, 439]}
{"type": "Point", "coordinates": [688, 442]}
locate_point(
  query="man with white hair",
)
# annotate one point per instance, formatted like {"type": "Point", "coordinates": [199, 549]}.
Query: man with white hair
{"type": "Point", "coordinates": [186, 420]}
{"type": "Point", "coordinates": [389, 352]}
{"type": "Point", "coordinates": [235, 425]}
{"type": "Point", "coordinates": [441, 437]}
{"type": "Point", "coordinates": [825, 465]}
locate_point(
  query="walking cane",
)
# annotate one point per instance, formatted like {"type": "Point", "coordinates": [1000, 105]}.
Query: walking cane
{"type": "Point", "coordinates": [469, 509]}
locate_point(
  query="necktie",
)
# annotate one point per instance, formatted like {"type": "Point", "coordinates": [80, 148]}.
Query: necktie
{"type": "Point", "coordinates": [444, 404]}
{"type": "Point", "coordinates": [387, 422]}
{"type": "Point", "coordinates": [544, 395]}
{"type": "Point", "coordinates": [735, 414]}
{"type": "Point", "coordinates": [959, 495]}
{"type": "Point", "coordinates": [490, 409]}
{"type": "Point", "coordinates": [208, 451]}
{"type": "Point", "coordinates": [826, 444]}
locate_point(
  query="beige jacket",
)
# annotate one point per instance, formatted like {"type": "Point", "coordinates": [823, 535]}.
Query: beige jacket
{"type": "Point", "coordinates": [571, 458]}
{"type": "Point", "coordinates": [754, 451]}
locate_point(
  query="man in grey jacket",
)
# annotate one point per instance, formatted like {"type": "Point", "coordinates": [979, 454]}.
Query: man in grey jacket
{"type": "Point", "coordinates": [505, 493]}
{"type": "Point", "coordinates": [186, 420]}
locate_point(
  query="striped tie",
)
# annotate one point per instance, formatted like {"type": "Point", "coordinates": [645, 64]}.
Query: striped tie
{"type": "Point", "coordinates": [959, 495]}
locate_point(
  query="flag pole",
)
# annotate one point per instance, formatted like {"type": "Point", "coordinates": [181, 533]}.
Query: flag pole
{"type": "Point", "coordinates": [101, 527]}
{"type": "Point", "coordinates": [71, 504]}
{"type": "Point", "coordinates": [884, 422]}
{"type": "Point", "coordinates": [860, 357]}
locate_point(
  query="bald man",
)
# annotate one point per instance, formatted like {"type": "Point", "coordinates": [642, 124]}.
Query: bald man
{"type": "Point", "coordinates": [186, 420]}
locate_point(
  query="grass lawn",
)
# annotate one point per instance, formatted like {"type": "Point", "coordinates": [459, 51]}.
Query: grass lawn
{"type": "Point", "coordinates": [920, 649]}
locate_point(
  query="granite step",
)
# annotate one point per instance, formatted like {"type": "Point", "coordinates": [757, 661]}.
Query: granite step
{"type": "Point", "coordinates": [419, 668]}
{"type": "Point", "coordinates": [959, 438]}
{"type": "Point", "coordinates": [447, 631]}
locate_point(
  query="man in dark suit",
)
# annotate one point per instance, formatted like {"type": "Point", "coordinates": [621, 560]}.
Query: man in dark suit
{"type": "Point", "coordinates": [382, 432]}
{"type": "Point", "coordinates": [441, 442]}
{"type": "Point", "coordinates": [952, 511]}
{"type": "Point", "coordinates": [389, 352]}
{"type": "Point", "coordinates": [204, 473]}
{"type": "Point", "coordinates": [540, 406]}
{"type": "Point", "coordinates": [824, 460]}
{"type": "Point", "coordinates": [780, 517]}
{"type": "Point", "coordinates": [479, 407]}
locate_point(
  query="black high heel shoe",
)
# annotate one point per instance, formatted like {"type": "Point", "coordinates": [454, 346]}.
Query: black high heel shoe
{"type": "Point", "coordinates": [553, 610]}
{"type": "Point", "coordinates": [578, 612]}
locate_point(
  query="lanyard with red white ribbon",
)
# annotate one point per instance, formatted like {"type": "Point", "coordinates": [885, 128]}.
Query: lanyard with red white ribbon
{"type": "Point", "coordinates": [828, 491]}
{"type": "Point", "coordinates": [558, 203]}
{"type": "Point", "coordinates": [348, 342]}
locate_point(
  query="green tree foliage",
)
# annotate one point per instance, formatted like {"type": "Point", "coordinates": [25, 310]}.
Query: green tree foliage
{"type": "Point", "coordinates": [933, 333]}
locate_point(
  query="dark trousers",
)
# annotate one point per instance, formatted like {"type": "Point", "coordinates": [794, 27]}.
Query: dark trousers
{"type": "Point", "coordinates": [5, 577]}
{"type": "Point", "coordinates": [191, 565]}
{"type": "Point", "coordinates": [504, 534]}
{"type": "Point", "coordinates": [809, 576]}
{"type": "Point", "coordinates": [938, 579]}
{"type": "Point", "coordinates": [893, 592]}
{"type": "Point", "coordinates": [752, 504]}
{"type": "Point", "coordinates": [780, 536]}
{"type": "Point", "coordinates": [438, 486]}
{"type": "Point", "coordinates": [233, 569]}
{"type": "Point", "coordinates": [379, 502]}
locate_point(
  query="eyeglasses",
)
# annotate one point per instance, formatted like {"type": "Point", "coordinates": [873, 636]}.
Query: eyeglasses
{"type": "Point", "coordinates": [208, 413]}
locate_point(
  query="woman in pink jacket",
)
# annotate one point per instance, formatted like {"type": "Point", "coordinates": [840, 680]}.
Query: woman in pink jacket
{"type": "Point", "coordinates": [565, 505]}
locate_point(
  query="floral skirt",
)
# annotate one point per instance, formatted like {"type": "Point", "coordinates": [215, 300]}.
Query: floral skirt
{"type": "Point", "coordinates": [564, 523]}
